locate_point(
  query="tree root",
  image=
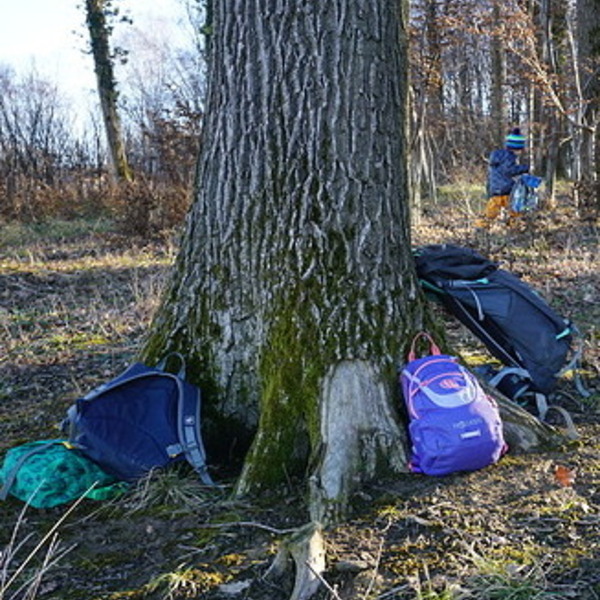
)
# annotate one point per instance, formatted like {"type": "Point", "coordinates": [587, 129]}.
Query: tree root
{"type": "Point", "coordinates": [307, 548]}
{"type": "Point", "coordinates": [523, 431]}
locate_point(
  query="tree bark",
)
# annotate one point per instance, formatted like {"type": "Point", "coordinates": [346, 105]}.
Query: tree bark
{"type": "Point", "coordinates": [587, 28]}
{"type": "Point", "coordinates": [427, 107]}
{"type": "Point", "coordinates": [498, 79]}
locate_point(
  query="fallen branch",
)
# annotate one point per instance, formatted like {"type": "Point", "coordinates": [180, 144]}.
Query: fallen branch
{"type": "Point", "coordinates": [251, 524]}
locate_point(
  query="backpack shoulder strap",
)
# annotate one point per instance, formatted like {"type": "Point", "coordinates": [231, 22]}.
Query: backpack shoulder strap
{"type": "Point", "coordinates": [574, 363]}
{"type": "Point", "coordinates": [188, 417]}
{"type": "Point", "coordinates": [570, 429]}
{"type": "Point", "coordinates": [162, 365]}
{"type": "Point", "coordinates": [188, 424]}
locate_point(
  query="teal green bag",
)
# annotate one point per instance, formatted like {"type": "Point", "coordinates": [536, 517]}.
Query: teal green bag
{"type": "Point", "coordinates": [48, 473]}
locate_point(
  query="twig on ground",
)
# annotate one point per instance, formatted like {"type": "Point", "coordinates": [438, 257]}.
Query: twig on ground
{"type": "Point", "coordinates": [325, 583]}
{"type": "Point", "coordinates": [251, 524]}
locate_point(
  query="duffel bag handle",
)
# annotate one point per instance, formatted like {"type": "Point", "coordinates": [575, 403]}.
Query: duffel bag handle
{"type": "Point", "coordinates": [433, 347]}
{"type": "Point", "coordinates": [161, 366]}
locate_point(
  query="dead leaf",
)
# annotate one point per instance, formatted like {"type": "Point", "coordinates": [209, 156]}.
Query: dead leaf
{"type": "Point", "coordinates": [564, 476]}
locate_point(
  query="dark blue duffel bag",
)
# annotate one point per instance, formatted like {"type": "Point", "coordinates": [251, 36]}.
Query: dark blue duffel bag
{"type": "Point", "coordinates": [145, 418]}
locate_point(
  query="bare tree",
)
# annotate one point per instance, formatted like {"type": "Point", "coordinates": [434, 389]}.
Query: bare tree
{"type": "Point", "coordinates": [585, 28]}
{"type": "Point", "coordinates": [560, 73]}
{"type": "Point", "coordinates": [498, 78]}
{"type": "Point", "coordinates": [162, 92]}
{"type": "Point", "coordinates": [37, 148]}
{"type": "Point", "coordinates": [97, 12]}
{"type": "Point", "coordinates": [426, 101]}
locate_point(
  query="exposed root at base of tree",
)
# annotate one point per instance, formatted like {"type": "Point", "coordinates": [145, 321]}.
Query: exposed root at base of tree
{"type": "Point", "coordinates": [307, 549]}
{"type": "Point", "coordinates": [524, 432]}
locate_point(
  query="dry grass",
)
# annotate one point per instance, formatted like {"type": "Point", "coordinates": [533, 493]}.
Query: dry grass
{"type": "Point", "coordinates": [75, 301]}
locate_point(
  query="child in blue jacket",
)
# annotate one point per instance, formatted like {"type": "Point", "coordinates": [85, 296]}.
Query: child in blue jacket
{"type": "Point", "coordinates": [503, 168]}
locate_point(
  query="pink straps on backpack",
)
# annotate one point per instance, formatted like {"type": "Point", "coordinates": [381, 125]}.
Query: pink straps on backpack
{"type": "Point", "coordinates": [433, 347]}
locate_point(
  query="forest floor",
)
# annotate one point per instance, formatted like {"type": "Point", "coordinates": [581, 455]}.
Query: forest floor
{"type": "Point", "coordinates": [73, 309]}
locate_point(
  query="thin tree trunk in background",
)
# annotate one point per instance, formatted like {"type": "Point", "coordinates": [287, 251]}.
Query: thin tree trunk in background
{"type": "Point", "coordinates": [107, 87]}
{"type": "Point", "coordinates": [587, 41]}
{"type": "Point", "coordinates": [551, 146]}
{"type": "Point", "coordinates": [546, 133]}
{"type": "Point", "coordinates": [498, 77]}
{"type": "Point", "coordinates": [435, 83]}
{"type": "Point", "coordinates": [433, 108]}
{"type": "Point", "coordinates": [427, 115]}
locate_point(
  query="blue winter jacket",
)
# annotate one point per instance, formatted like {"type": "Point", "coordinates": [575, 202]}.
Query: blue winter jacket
{"type": "Point", "coordinates": [502, 168]}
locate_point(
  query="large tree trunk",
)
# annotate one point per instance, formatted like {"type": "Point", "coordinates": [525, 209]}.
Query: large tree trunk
{"type": "Point", "coordinates": [587, 26]}
{"type": "Point", "coordinates": [294, 292]}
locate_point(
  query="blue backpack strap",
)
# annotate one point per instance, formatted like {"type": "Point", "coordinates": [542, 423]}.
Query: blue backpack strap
{"type": "Point", "coordinates": [189, 419]}
{"type": "Point", "coordinates": [190, 437]}
{"type": "Point", "coordinates": [575, 363]}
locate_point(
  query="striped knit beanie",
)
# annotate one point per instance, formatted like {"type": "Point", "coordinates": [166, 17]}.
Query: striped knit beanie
{"type": "Point", "coordinates": [514, 140]}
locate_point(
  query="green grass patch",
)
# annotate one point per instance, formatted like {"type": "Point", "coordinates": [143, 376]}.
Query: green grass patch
{"type": "Point", "coordinates": [22, 235]}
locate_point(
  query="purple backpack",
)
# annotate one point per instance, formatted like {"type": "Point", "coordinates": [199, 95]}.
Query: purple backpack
{"type": "Point", "coordinates": [453, 424]}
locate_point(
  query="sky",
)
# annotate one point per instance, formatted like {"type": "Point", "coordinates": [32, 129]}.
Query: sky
{"type": "Point", "coordinates": [50, 36]}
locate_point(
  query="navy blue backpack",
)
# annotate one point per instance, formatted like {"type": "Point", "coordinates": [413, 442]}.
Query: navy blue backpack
{"type": "Point", "coordinates": [515, 323]}
{"type": "Point", "coordinates": [453, 424]}
{"type": "Point", "coordinates": [145, 418]}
